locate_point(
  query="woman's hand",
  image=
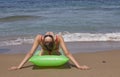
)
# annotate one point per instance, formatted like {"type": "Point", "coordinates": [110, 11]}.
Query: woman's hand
{"type": "Point", "coordinates": [14, 68]}
{"type": "Point", "coordinates": [84, 67]}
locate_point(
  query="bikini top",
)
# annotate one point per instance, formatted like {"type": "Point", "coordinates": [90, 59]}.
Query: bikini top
{"type": "Point", "coordinates": [56, 46]}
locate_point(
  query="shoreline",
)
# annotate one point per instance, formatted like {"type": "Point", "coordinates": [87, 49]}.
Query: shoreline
{"type": "Point", "coordinates": [73, 47]}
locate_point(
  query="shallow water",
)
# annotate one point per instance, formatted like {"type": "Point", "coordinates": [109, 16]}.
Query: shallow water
{"type": "Point", "coordinates": [73, 47]}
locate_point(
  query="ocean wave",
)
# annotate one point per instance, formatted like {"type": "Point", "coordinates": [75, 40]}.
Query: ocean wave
{"type": "Point", "coordinates": [68, 37]}
{"type": "Point", "coordinates": [104, 8]}
{"type": "Point", "coordinates": [18, 18]}
{"type": "Point", "coordinates": [17, 41]}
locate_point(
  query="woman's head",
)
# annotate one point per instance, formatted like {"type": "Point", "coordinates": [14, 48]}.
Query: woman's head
{"type": "Point", "coordinates": [49, 42]}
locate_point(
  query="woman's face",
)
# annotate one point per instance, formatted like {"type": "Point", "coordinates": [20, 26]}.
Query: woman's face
{"type": "Point", "coordinates": [49, 44]}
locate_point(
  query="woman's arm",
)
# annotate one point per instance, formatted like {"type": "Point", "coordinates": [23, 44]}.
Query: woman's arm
{"type": "Point", "coordinates": [69, 55]}
{"type": "Point", "coordinates": [41, 52]}
{"type": "Point", "coordinates": [29, 54]}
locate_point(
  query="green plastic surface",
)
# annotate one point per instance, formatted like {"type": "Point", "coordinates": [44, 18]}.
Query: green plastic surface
{"type": "Point", "coordinates": [48, 60]}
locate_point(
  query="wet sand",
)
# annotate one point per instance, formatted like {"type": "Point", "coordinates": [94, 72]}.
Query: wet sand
{"type": "Point", "coordinates": [103, 64]}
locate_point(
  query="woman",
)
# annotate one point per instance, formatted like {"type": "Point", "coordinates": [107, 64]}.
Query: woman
{"type": "Point", "coordinates": [50, 44]}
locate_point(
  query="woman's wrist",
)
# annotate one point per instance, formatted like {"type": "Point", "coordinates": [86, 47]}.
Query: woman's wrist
{"type": "Point", "coordinates": [84, 67]}
{"type": "Point", "coordinates": [78, 66]}
{"type": "Point", "coordinates": [18, 67]}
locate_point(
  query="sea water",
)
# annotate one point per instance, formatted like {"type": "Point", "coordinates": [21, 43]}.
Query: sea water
{"type": "Point", "coordinates": [75, 20]}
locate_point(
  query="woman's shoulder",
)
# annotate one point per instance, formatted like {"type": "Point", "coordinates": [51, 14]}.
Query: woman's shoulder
{"type": "Point", "coordinates": [59, 37]}
{"type": "Point", "coordinates": [39, 37]}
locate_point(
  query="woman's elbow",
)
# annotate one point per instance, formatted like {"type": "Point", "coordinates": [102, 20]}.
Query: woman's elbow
{"type": "Point", "coordinates": [67, 54]}
{"type": "Point", "coordinates": [29, 54]}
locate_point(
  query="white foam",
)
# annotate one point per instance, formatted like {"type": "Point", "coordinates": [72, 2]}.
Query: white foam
{"type": "Point", "coordinates": [68, 37]}
{"type": "Point", "coordinates": [18, 41]}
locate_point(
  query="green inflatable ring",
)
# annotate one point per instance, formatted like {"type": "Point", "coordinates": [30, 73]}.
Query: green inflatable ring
{"type": "Point", "coordinates": [48, 60]}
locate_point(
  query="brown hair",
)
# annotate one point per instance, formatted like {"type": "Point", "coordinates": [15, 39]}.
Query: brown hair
{"type": "Point", "coordinates": [49, 46]}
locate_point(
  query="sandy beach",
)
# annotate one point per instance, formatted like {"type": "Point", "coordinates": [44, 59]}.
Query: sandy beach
{"type": "Point", "coordinates": [103, 64]}
{"type": "Point", "coordinates": [90, 28]}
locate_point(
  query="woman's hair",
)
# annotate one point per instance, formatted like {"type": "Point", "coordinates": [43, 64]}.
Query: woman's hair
{"type": "Point", "coordinates": [49, 46]}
